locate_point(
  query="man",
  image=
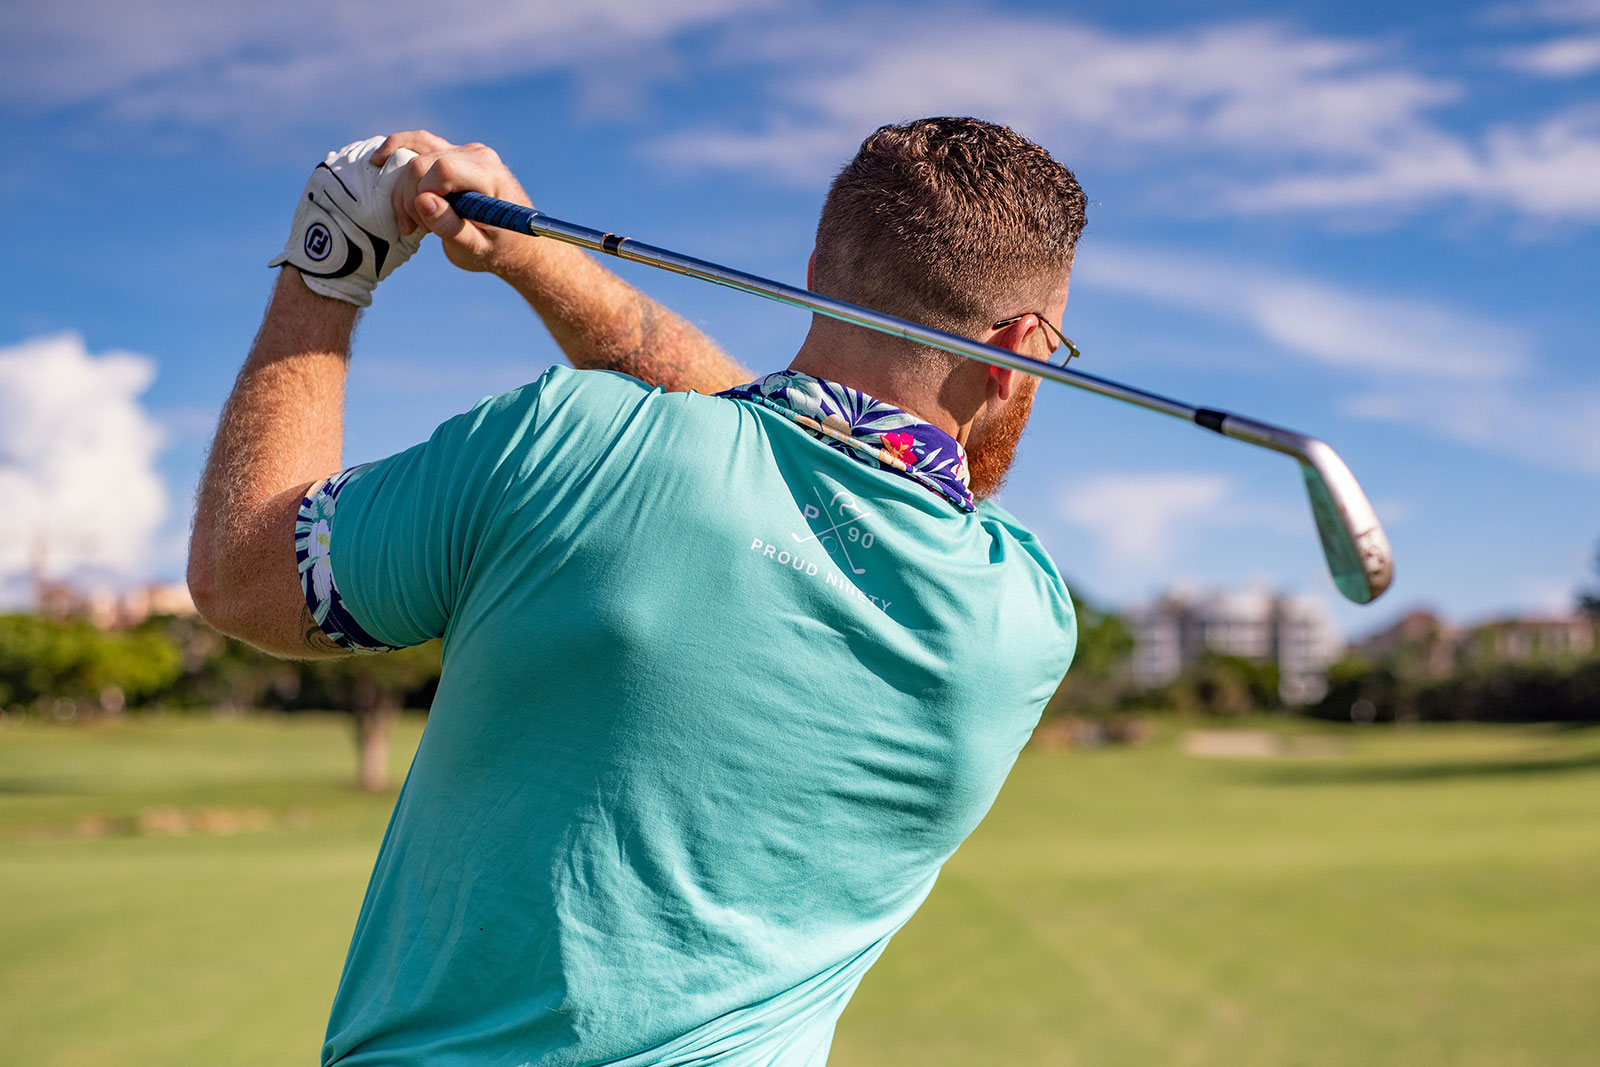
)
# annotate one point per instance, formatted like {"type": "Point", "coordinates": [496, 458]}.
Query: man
{"type": "Point", "coordinates": [728, 673]}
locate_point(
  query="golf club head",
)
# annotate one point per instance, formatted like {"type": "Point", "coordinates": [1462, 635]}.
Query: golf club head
{"type": "Point", "coordinates": [1353, 540]}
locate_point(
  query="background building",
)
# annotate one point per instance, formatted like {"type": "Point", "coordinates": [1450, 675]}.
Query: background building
{"type": "Point", "coordinates": [1296, 633]}
{"type": "Point", "coordinates": [1434, 648]}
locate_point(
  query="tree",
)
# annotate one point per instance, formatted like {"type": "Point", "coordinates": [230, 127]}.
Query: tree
{"type": "Point", "coordinates": [42, 660]}
{"type": "Point", "coordinates": [222, 673]}
{"type": "Point", "coordinates": [1104, 643]}
{"type": "Point", "coordinates": [1589, 599]}
{"type": "Point", "coordinates": [131, 667]}
{"type": "Point", "coordinates": [1098, 680]}
{"type": "Point", "coordinates": [372, 689]}
{"type": "Point", "coordinates": [1218, 684]}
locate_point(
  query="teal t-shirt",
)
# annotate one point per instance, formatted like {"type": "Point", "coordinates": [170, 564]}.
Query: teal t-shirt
{"type": "Point", "coordinates": [718, 701]}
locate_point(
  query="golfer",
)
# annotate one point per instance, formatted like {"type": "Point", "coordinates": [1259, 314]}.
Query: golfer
{"type": "Point", "coordinates": [732, 663]}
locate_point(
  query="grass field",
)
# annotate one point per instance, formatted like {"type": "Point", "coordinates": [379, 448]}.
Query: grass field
{"type": "Point", "coordinates": [181, 892]}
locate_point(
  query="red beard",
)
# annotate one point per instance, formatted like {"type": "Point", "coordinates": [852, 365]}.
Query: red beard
{"type": "Point", "coordinates": [992, 447]}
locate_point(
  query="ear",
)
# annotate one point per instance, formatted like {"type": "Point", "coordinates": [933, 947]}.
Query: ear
{"type": "Point", "coordinates": [811, 271]}
{"type": "Point", "coordinates": [1015, 335]}
{"type": "Point", "coordinates": [1001, 381]}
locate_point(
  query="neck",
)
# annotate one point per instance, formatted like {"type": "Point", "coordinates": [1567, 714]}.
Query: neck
{"type": "Point", "coordinates": [850, 356]}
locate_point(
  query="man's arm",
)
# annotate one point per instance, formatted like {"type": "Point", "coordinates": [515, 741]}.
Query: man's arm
{"type": "Point", "coordinates": [281, 430]}
{"type": "Point", "coordinates": [599, 320]}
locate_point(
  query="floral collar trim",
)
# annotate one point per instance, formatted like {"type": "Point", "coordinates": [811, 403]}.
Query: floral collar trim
{"type": "Point", "coordinates": [859, 426]}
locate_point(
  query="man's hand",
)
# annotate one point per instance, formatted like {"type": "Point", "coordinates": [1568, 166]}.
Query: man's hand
{"type": "Point", "coordinates": [440, 167]}
{"type": "Point", "coordinates": [345, 238]}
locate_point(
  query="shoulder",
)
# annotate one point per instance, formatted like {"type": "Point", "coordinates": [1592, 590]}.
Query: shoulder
{"type": "Point", "coordinates": [1028, 569]}
{"type": "Point", "coordinates": [564, 401]}
{"type": "Point", "coordinates": [1027, 550]}
{"type": "Point", "coordinates": [559, 389]}
{"type": "Point", "coordinates": [560, 382]}
{"type": "Point", "coordinates": [564, 393]}
{"type": "Point", "coordinates": [588, 422]}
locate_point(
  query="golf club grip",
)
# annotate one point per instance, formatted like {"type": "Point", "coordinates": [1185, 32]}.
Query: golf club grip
{"type": "Point", "coordinates": [487, 211]}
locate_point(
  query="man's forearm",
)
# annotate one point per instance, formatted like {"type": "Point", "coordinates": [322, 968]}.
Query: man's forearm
{"type": "Point", "coordinates": [600, 321]}
{"type": "Point", "coordinates": [282, 429]}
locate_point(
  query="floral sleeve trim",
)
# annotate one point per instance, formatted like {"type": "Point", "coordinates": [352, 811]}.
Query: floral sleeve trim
{"type": "Point", "coordinates": [311, 552]}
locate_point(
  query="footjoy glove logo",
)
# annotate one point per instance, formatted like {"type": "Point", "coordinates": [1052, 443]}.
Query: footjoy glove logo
{"type": "Point", "coordinates": [319, 242]}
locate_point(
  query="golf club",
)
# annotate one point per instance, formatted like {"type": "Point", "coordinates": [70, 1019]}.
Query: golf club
{"type": "Point", "coordinates": [1353, 542]}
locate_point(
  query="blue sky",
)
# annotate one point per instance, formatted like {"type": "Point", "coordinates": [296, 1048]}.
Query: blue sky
{"type": "Point", "coordinates": [1379, 224]}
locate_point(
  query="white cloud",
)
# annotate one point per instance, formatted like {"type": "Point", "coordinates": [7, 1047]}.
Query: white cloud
{"type": "Point", "coordinates": [1133, 516]}
{"type": "Point", "coordinates": [1249, 117]}
{"type": "Point", "coordinates": [1563, 57]}
{"type": "Point", "coordinates": [77, 459]}
{"type": "Point", "coordinates": [1460, 376]}
{"type": "Point", "coordinates": [1378, 334]}
{"type": "Point", "coordinates": [1551, 428]}
{"type": "Point", "coordinates": [216, 65]}
{"type": "Point", "coordinates": [1257, 87]}
{"type": "Point", "coordinates": [798, 154]}
{"type": "Point", "coordinates": [1547, 171]}
{"type": "Point", "coordinates": [1550, 11]}
{"type": "Point", "coordinates": [1137, 518]}
{"type": "Point", "coordinates": [1237, 116]}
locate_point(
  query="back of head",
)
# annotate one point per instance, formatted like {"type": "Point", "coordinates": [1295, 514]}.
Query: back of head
{"type": "Point", "coordinates": [950, 222]}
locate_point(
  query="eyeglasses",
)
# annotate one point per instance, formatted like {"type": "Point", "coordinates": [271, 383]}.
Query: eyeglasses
{"type": "Point", "coordinates": [1064, 342]}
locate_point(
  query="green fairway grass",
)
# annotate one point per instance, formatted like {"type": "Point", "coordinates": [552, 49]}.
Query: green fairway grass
{"type": "Point", "coordinates": [1412, 896]}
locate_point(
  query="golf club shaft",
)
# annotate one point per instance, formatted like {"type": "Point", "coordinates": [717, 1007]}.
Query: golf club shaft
{"type": "Point", "coordinates": [488, 211]}
{"type": "Point", "coordinates": [1353, 541]}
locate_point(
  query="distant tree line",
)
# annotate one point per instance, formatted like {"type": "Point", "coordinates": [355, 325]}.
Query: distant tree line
{"type": "Point", "coordinates": [70, 671]}
{"type": "Point", "coordinates": [1415, 682]}
{"type": "Point", "coordinates": [1420, 680]}
{"type": "Point", "coordinates": [1563, 689]}
{"type": "Point", "coordinates": [63, 668]}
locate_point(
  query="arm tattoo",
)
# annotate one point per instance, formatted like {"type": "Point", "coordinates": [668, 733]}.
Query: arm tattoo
{"type": "Point", "coordinates": [649, 327]}
{"type": "Point", "coordinates": [643, 357]}
{"type": "Point", "coordinates": [648, 355]}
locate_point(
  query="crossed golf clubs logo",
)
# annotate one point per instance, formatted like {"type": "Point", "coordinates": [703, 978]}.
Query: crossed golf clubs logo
{"type": "Point", "coordinates": [843, 513]}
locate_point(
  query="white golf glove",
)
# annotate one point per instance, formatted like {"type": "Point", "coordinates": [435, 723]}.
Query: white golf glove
{"type": "Point", "coordinates": [345, 239]}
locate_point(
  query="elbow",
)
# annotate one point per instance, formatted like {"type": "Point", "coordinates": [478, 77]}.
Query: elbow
{"type": "Point", "coordinates": [214, 578]}
{"type": "Point", "coordinates": [204, 588]}
{"type": "Point", "coordinates": [213, 602]}
{"type": "Point", "coordinates": [208, 588]}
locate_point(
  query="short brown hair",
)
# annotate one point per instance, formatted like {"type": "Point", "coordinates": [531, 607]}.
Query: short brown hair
{"type": "Point", "coordinates": [943, 220]}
